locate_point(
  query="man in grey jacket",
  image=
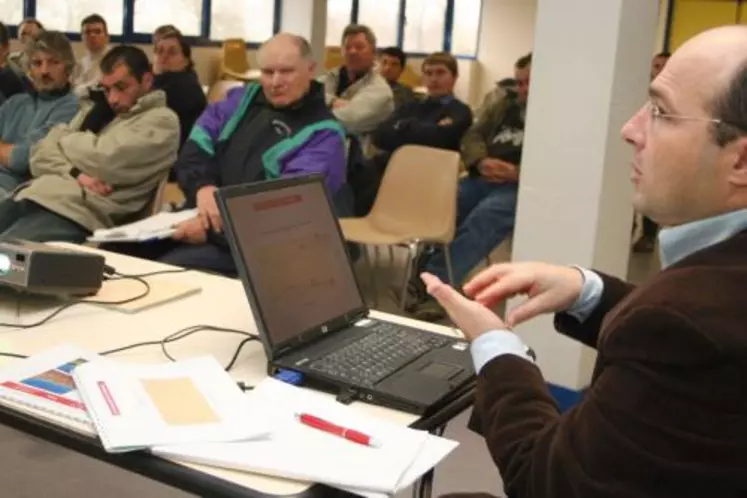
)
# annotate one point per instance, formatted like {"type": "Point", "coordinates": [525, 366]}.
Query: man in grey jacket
{"type": "Point", "coordinates": [103, 168]}
{"type": "Point", "coordinates": [359, 97]}
{"type": "Point", "coordinates": [26, 118]}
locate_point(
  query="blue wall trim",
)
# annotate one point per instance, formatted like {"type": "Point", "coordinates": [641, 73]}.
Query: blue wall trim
{"type": "Point", "coordinates": [566, 398]}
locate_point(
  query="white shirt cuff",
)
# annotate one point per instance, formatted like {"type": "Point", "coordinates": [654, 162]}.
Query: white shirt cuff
{"type": "Point", "coordinates": [494, 344]}
{"type": "Point", "coordinates": [591, 294]}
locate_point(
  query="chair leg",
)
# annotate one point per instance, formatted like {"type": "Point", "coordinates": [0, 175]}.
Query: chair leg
{"type": "Point", "coordinates": [449, 267]}
{"type": "Point", "coordinates": [412, 253]}
{"type": "Point", "coordinates": [371, 273]}
{"type": "Point", "coordinates": [391, 254]}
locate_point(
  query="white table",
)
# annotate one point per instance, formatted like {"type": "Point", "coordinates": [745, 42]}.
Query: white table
{"type": "Point", "coordinates": [222, 302]}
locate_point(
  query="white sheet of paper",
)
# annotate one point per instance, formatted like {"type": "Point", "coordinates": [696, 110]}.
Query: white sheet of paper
{"type": "Point", "coordinates": [303, 453]}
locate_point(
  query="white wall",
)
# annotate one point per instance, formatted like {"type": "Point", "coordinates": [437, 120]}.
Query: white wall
{"type": "Point", "coordinates": [506, 33]}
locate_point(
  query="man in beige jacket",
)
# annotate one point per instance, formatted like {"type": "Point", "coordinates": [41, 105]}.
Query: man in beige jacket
{"type": "Point", "coordinates": [358, 96]}
{"type": "Point", "coordinates": [103, 168]}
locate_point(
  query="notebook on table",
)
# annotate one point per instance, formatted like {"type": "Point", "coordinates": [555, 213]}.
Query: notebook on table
{"type": "Point", "coordinates": [190, 401]}
{"type": "Point", "coordinates": [45, 382]}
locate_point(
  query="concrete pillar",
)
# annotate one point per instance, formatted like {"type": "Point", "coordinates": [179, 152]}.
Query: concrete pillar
{"type": "Point", "coordinates": [590, 73]}
{"type": "Point", "coordinates": [307, 18]}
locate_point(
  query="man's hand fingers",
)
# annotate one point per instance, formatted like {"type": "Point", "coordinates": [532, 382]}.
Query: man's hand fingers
{"type": "Point", "coordinates": [529, 309]}
{"type": "Point", "coordinates": [486, 277]}
{"type": "Point", "coordinates": [503, 289]}
{"type": "Point", "coordinates": [216, 222]}
{"type": "Point", "coordinates": [449, 298]}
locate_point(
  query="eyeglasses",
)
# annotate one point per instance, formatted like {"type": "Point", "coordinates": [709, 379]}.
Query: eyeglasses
{"type": "Point", "coordinates": [657, 114]}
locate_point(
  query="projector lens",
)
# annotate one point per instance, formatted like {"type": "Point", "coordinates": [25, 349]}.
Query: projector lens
{"type": "Point", "coordinates": [4, 264]}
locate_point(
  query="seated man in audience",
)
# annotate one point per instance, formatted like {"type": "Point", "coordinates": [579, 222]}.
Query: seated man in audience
{"type": "Point", "coordinates": [359, 97]}
{"type": "Point", "coordinates": [440, 121]}
{"type": "Point", "coordinates": [160, 32]}
{"type": "Point", "coordinates": [503, 88]}
{"type": "Point", "coordinates": [103, 168]}
{"type": "Point", "coordinates": [95, 34]}
{"type": "Point", "coordinates": [392, 62]}
{"type": "Point", "coordinates": [280, 127]}
{"type": "Point", "coordinates": [486, 204]}
{"type": "Point", "coordinates": [11, 82]}
{"type": "Point", "coordinates": [27, 117]}
{"type": "Point", "coordinates": [665, 415]}
{"type": "Point", "coordinates": [176, 76]}
{"type": "Point", "coordinates": [28, 30]}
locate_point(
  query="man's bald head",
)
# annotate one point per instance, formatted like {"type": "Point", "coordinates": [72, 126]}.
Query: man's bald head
{"type": "Point", "coordinates": [690, 139]}
{"type": "Point", "coordinates": [287, 68]}
{"type": "Point", "coordinates": [716, 61]}
{"type": "Point", "coordinates": [285, 42]}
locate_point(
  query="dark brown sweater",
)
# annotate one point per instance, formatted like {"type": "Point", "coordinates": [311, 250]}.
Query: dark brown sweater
{"type": "Point", "coordinates": [666, 412]}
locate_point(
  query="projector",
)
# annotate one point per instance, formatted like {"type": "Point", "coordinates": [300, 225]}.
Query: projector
{"type": "Point", "coordinates": [43, 269]}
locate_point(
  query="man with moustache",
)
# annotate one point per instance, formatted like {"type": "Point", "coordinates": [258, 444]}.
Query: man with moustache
{"type": "Point", "coordinates": [358, 95]}
{"type": "Point", "coordinates": [26, 118]}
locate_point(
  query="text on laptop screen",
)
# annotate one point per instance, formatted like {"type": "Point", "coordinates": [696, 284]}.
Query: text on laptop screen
{"type": "Point", "coordinates": [295, 258]}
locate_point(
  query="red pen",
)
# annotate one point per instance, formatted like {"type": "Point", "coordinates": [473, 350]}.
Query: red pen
{"type": "Point", "coordinates": [337, 430]}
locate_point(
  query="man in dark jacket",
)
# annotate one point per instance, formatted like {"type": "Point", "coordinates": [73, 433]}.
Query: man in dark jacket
{"type": "Point", "coordinates": [665, 415]}
{"type": "Point", "coordinates": [278, 128]}
{"type": "Point", "coordinates": [440, 120]}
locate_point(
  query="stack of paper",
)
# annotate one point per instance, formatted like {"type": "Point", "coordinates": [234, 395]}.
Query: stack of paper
{"type": "Point", "coordinates": [296, 451]}
{"type": "Point", "coordinates": [190, 401]}
{"type": "Point", "coordinates": [44, 382]}
{"type": "Point", "coordinates": [158, 226]}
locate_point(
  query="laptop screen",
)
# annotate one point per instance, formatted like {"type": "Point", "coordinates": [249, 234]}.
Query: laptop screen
{"type": "Point", "coordinates": [294, 258]}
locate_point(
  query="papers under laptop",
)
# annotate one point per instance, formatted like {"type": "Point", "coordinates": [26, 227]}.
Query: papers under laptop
{"type": "Point", "coordinates": [298, 452]}
{"type": "Point", "coordinates": [158, 226]}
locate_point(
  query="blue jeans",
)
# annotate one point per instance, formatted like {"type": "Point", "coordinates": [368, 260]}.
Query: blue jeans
{"type": "Point", "coordinates": [485, 217]}
{"type": "Point", "coordinates": [29, 221]}
{"type": "Point", "coordinates": [204, 257]}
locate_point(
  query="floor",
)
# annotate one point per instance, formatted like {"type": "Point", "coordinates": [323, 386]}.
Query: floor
{"type": "Point", "coordinates": [34, 467]}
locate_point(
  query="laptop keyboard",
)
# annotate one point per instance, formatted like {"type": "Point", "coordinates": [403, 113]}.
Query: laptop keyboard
{"type": "Point", "coordinates": [377, 355]}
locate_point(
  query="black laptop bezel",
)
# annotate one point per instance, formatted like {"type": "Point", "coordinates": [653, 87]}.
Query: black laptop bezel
{"type": "Point", "coordinates": [274, 351]}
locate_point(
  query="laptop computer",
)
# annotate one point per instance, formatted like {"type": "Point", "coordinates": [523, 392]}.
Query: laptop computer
{"type": "Point", "coordinates": [310, 313]}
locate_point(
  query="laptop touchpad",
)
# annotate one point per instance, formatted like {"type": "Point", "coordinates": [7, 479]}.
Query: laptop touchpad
{"type": "Point", "coordinates": [440, 370]}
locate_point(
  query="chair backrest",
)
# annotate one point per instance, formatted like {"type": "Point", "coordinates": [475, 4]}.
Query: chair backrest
{"type": "Point", "coordinates": [332, 58]}
{"type": "Point", "coordinates": [220, 88]}
{"type": "Point", "coordinates": [234, 56]}
{"type": "Point", "coordinates": [418, 194]}
{"type": "Point", "coordinates": [158, 199]}
{"type": "Point", "coordinates": [409, 77]}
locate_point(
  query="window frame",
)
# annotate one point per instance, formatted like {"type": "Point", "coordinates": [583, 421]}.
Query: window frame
{"type": "Point", "coordinates": [130, 36]}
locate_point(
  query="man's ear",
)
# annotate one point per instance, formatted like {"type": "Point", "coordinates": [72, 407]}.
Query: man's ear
{"type": "Point", "coordinates": [738, 173]}
{"type": "Point", "coordinates": [148, 81]}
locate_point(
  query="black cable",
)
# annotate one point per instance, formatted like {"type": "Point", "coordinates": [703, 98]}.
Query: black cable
{"type": "Point", "coordinates": [184, 333]}
{"type": "Point", "coordinates": [66, 306]}
{"type": "Point", "coordinates": [151, 273]}
{"type": "Point", "coordinates": [13, 355]}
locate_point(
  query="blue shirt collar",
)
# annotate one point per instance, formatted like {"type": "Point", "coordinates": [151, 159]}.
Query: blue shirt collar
{"type": "Point", "coordinates": [676, 243]}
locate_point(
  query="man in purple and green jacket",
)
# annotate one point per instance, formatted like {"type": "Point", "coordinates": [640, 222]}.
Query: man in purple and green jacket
{"type": "Point", "coordinates": [280, 127]}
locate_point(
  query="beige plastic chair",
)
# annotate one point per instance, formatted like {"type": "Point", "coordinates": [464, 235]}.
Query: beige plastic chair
{"type": "Point", "coordinates": [416, 204]}
{"type": "Point", "coordinates": [234, 62]}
